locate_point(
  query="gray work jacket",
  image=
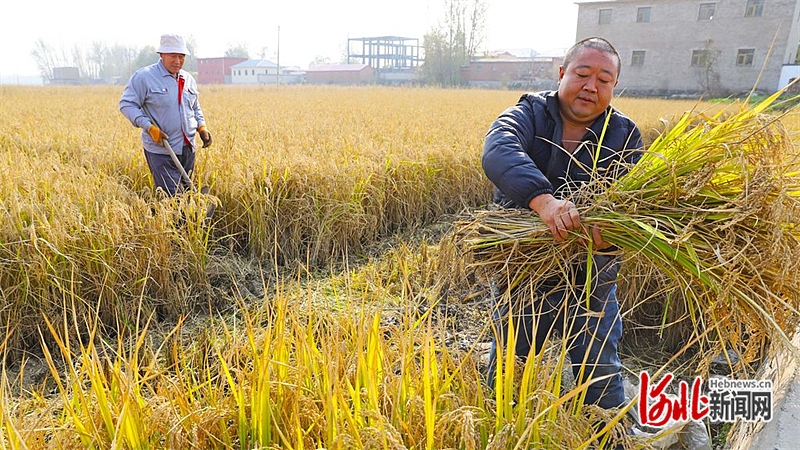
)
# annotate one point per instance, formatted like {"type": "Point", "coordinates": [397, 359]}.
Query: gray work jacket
{"type": "Point", "coordinates": [157, 89]}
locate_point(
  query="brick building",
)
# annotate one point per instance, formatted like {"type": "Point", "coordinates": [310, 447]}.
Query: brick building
{"type": "Point", "coordinates": [216, 70]}
{"type": "Point", "coordinates": [65, 76]}
{"type": "Point", "coordinates": [697, 46]}
{"type": "Point", "coordinates": [534, 73]}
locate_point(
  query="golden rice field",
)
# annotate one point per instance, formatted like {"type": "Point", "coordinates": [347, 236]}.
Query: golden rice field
{"type": "Point", "coordinates": [306, 179]}
{"type": "Point", "coordinates": [309, 175]}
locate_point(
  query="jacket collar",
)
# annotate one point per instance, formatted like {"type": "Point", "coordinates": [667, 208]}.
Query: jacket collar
{"type": "Point", "coordinates": [553, 110]}
{"type": "Point", "coordinates": [551, 99]}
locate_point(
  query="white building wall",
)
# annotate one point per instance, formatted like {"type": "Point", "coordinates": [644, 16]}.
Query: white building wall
{"type": "Point", "coordinates": [788, 74]}
{"type": "Point", "coordinates": [251, 75]}
{"type": "Point", "coordinates": [791, 56]}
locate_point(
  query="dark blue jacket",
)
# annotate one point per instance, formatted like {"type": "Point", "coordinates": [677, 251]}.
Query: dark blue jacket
{"type": "Point", "coordinates": [523, 158]}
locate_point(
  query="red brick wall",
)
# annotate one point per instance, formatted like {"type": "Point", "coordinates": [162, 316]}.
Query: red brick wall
{"type": "Point", "coordinates": [213, 70]}
{"type": "Point", "coordinates": [509, 70]}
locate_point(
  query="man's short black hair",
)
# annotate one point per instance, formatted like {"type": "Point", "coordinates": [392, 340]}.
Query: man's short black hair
{"type": "Point", "coordinates": [596, 43]}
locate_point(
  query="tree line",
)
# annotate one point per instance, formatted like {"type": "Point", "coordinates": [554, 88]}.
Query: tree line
{"type": "Point", "coordinates": [447, 47]}
{"type": "Point", "coordinates": [99, 62]}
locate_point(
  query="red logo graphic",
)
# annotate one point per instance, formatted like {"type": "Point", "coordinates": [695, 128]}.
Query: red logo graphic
{"type": "Point", "coordinates": [658, 412]}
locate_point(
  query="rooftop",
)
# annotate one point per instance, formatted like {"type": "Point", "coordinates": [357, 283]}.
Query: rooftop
{"type": "Point", "coordinates": [252, 63]}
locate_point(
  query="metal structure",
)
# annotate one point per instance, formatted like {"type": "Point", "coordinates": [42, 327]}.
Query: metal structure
{"type": "Point", "coordinates": [384, 53]}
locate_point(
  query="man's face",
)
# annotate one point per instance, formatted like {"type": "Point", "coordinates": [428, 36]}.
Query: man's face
{"type": "Point", "coordinates": [586, 86]}
{"type": "Point", "coordinates": [173, 61]}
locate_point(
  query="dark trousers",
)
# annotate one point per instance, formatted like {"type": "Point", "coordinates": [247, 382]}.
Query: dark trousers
{"type": "Point", "coordinates": [166, 174]}
{"type": "Point", "coordinates": [593, 336]}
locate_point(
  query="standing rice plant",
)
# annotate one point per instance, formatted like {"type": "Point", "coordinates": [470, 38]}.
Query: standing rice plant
{"type": "Point", "coordinates": [291, 374]}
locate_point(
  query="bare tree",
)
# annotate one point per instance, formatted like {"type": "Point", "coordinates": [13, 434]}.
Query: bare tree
{"type": "Point", "coordinates": [79, 60]}
{"type": "Point", "coordinates": [706, 72]}
{"type": "Point", "coordinates": [191, 59]}
{"type": "Point", "coordinates": [450, 46]}
{"type": "Point", "coordinates": [99, 62]}
{"type": "Point", "coordinates": [477, 26]}
{"type": "Point", "coordinates": [320, 60]}
{"type": "Point", "coordinates": [46, 58]}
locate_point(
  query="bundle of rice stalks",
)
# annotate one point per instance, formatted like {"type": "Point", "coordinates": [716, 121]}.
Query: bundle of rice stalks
{"type": "Point", "coordinates": [713, 204]}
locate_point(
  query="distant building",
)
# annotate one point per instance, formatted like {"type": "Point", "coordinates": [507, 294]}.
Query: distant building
{"type": "Point", "coordinates": [216, 70]}
{"type": "Point", "coordinates": [252, 70]}
{"type": "Point", "coordinates": [340, 74]}
{"type": "Point", "coordinates": [289, 75]}
{"type": "Point", "coordinates": [65, 76]}
{"type": "Point", "coordinates": [697, 46]}
{"type": "Point", "coordinates": [395, 59]}
{"type": "Point", "coordinates": [505, 70]}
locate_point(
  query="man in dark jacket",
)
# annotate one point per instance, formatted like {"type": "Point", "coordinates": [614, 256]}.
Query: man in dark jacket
{"type": "Point", "coordinates": [537, 154]}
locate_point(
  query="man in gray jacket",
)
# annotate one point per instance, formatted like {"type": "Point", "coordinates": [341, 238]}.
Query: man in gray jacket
{"type": "Point", "coordinates": [162, 100]}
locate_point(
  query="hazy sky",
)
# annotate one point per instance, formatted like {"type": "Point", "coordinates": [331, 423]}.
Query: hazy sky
{"type": "Point", "coordinates": [308, 28]}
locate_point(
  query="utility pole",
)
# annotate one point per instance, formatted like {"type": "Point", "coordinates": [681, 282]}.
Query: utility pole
{"type": "Point", "coordinates": [278, 78]}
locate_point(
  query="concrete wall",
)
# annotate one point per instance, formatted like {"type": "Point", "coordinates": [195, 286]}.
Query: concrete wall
{"type": "Point", "coordinates": [286, 78]}
{"type": "Point", "coordinates": [363, 76]}
{"type": "Point", "coordinates": [674, 31]}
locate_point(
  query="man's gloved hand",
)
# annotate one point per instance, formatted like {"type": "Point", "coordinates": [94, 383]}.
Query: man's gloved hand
{"type": "Point", "coordinates": [157, 134]}
{"type": "Point", "coordinates": [205, 136]}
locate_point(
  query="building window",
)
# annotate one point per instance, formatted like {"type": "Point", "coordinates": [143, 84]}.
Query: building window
{"type": "Point", "coordinates": [604, 17]}
{"type": "Point", "coordinates": [745, 57]}
{"type": "Point", "coordinates": [643, 14]}
{"type": "Point", "coordinates": [706, 11]}
{"type": "Point", "coordinates": [699, 58]}
{"type": "Point", "coordinates": [480, 67]}
{"type": "Point", "coordinates": [494, 67]}
{"type": "Point", "coordinates": [754, 8]}
{"type": "Point", "coordinates": [637, 58]}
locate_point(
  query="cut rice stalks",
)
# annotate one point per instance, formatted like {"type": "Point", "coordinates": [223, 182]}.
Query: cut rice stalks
{"type": "Point", "coordinates": [714, 204]}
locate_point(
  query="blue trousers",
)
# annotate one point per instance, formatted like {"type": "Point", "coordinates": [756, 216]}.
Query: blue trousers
{"type": "Point", "coordinates": [166, 174]}
{"type": "Point", "coordinates": [592, 336]}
